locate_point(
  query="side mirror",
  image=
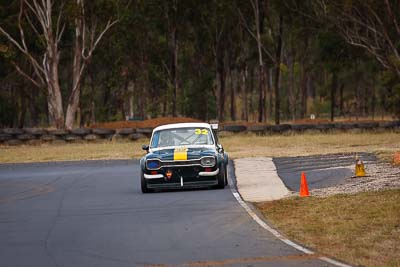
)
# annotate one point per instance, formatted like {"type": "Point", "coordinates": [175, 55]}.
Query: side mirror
{"type": "Point", "coordinates": [145, 147]}
{"type": "Point", "coordinates": [220, 148]}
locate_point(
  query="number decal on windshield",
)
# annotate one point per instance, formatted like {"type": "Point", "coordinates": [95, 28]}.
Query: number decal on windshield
{"type": "Point", "coordinates": [201, 131]}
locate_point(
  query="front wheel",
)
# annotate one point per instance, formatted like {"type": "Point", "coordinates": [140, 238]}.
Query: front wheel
{"type": "Point", "coordinates": [143, 184]}
{"type": "Point", "coordinates": [221, 178]}
{"type": "Point", "coordinates": [226, 175]}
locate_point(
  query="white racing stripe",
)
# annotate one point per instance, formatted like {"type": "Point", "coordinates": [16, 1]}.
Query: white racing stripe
{"type": "Point", "coordinates": [276, 233]}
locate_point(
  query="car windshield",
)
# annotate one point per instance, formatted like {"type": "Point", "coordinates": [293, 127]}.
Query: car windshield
{"type": "Point", "coordinates": [182, 136]}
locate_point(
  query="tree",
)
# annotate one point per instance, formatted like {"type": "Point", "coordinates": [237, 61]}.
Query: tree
{"type": "Point", "coordinates": [45, 67]}
{"type": "Point", "coordinates": [49, 28]}
{"type": "Point", "coordinates": [278, 56]}
{"type": "Point", "coordinates": [371, 25]}
{"type": "Point", "coordinates": [258, 22]}
{"type": "Point", "coordinates": [172, 18]}
{"type": "Point", "coordinates": [86, 40]}
{"type": "Point", "coordinates": [258, 60]}
{"type": "Point", "coordinates": [267, 11]}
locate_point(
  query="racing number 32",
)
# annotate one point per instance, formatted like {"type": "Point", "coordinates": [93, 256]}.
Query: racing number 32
{"type": "Point", "coordinates": [201, 131]}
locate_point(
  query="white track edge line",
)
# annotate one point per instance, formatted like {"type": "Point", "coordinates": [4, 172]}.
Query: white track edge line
{"type": "Point", "coordinates": [276, 233]}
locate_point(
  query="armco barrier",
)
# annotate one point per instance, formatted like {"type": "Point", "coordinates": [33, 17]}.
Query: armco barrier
{"type": "Point", "coordinates": [81, 131]}
{"type": "Point", "coordinates": [235, 128]}
{"type": "Point", "coordinates": [301, 128]}
{"type": "Point", "coordinates": [32, 136]}
{"type": "Point", "coordinates": [145, 131]}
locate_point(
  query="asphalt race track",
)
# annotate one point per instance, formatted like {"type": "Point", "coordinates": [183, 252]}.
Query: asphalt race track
{"type": "Point", "coordinates": [321, 170]}
{"type": "Point", "coordinates": [93, 214]}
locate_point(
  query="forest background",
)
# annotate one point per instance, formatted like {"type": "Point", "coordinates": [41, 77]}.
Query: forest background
{"type": "Point", "coordinates": [67, 64]}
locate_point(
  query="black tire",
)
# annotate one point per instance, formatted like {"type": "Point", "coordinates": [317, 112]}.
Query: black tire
{"type": "Point", "coordinates": [235, 128]}
{"type": "Point", "coordinates": [226, 175]}
{"type": "Point", "coordinates": [221, 178]}
{"type": "Point", "coordinates": [143, 184]}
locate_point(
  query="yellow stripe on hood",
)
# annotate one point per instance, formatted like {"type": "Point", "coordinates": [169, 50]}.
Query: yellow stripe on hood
{"type": "Point", "coordinates": [180, 153]}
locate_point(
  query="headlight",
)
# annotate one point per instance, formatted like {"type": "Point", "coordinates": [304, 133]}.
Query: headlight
{"type": "Point", "coordinates": [207, 161]}
{"type": "Point", "coordinates": [153, 164]}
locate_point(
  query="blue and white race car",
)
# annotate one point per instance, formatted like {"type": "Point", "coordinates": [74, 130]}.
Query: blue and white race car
{"type": "Point", "coordinates": [184, 155]}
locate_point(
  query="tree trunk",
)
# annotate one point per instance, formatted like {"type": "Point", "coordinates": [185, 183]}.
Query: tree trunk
{"type": "Point", "coordinates": [261, 93]}
{"type": "Point", "coordinates": [222, 74]}
{"type": "Point", "coordinates": [243, 73]}
{"type": "Point", "coordinates": [174, 66]}
{"type": "Point", "coordinates": [304, 91]}
{"type": "Point", "coordinates": [164, 107]}
{"type": "Point", "coordinates": [125, 99]}
{"type": "Point", "coordinates": [271, 95]}
{"type": "Point", "coordinates": [292, 94]}
{"type": "Point", "coordinates": [341, 100]}
{"type": "Point", "coordinates": [278, 71]}
{"type": "Point", "coordinates": [172, 16]}
{"type": "Point", "coordinates": [221, 96]}
{"type": "Point", "coordinates": [259, 18]}
{"type": "Point", "coordinates": [73, 102]}
{"type": "Point", "coordinates": [245, 111]}
{"type": "Point", "coordinates": [131, 90]}
{"type": "Point", "coordinates": [22, 101]}
{"type": "Point", "coordinates": [382, 103]}
{"type": "Point", "coordinates": [71, 110]}
{"type": "Point", "coordinates": [251, 105]}
{"type": "Point", "coordinates": [333, 93]}
{"type": "Point", "coordinates": [232, 91]}
{"type": "Point", "coordinates": [56, 113]}
{"type": "Point", "coordinates": [82, 55]}
{"type": "Point", "coordinates": [357, 94]}
{"type": "Point", "coordinates": [55, 104]}
{"type": "Point", "coordinates": [73, 105]}
{"type": "Point", "coordinates": [92, 115]}
{"type": "Point", "coordinates": [373, 101]}
{"type": "Point", "coordinates": [366, 95]}
{"type": "Point", "coordinates": [33, 108]}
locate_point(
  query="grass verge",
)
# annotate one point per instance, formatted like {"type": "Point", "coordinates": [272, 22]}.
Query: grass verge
{"type": "Point", "coordinates": [73, 151]}
{"type": "Point", "coordinates": [237, 145]}
{"type": "Point", "coordinates": [362, 229]}
{"type": "Point", "coordinates": [250, 145]}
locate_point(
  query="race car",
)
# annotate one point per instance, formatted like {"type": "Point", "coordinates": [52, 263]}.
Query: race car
{"type": "Point", "coordinates": [183, 155]}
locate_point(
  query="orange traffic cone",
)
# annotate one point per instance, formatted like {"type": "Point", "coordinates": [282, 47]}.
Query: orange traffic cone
{"type": "Point", "coordinates": [303, 186]}
{"type": "Point", "coordinates": [396, 158]}
{"type": "Point", "coordinates": [360, 170]}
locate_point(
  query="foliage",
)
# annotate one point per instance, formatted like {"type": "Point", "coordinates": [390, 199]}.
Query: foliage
{"type": "Point", "coordinates": [132, 72]}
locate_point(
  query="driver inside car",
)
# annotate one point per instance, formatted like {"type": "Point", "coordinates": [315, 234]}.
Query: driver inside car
{"type": "Point", "coordinates": [166, 140]}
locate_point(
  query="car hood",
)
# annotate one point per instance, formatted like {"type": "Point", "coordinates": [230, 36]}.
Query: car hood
{"type": "Point", "coordinates": [192, 153]}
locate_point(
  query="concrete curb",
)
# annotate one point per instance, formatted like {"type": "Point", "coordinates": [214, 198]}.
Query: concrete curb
{"type": "Point", "coordinates": [258, 180]}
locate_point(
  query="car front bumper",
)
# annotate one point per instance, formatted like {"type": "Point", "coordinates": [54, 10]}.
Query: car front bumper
{"type": "Point", "coordinates": [185, 185]}
{"type": "Point", "coordinates": [159, 176]}
{"type": "Point", "coordinates": [180, 180]}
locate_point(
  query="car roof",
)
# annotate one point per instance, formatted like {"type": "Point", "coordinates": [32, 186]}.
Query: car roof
{"type": "Point", "coordinates": [182, 125]}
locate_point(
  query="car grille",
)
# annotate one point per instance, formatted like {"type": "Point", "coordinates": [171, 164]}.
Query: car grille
{"type": "Point", "coordinates": [180, 163]}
